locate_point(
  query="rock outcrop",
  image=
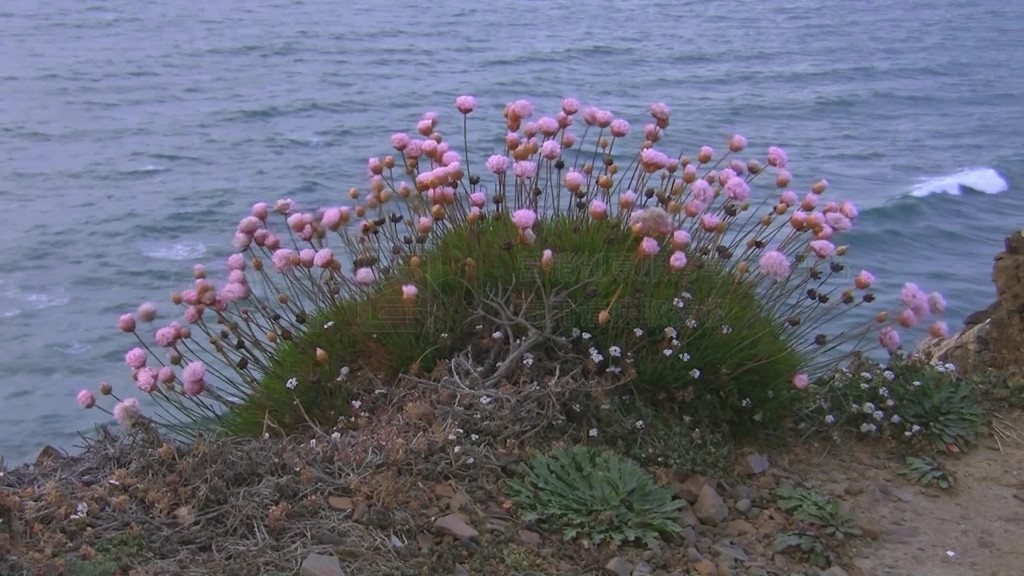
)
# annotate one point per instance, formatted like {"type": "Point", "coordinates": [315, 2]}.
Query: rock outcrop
{"type": "Point", "coordinates": [994, 337]}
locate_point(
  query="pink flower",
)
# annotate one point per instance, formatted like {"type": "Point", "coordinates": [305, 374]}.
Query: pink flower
{"type": "Point", "coordinates": [907, 318]}
{"type": "Point", "coordinates": [194, 387]}
{"type": "Point", "coordinates": [889, 338]}
{"type": "Point", "coordinates": [653, 160]}
{"type": "Point", "coordinates": [233, 292]}
{"type": "Point", "coordinates": [193, 372]}
{"type": "Point", "coordinates": [737, 189]}
{"type": "Point", "coordinates": [649, 246]}
{"type": "Point", "coordinates": [798, 220]}
{"type": "Point", "coordinates": [654, 221]}
{"type": "Point", "coordinates": [524, 218]}
{"type": "Point", "coordinates": [522, 108]}
{"type": "Point", "coordinates": [145, 380]}
{"type": "Point", "coordinates": [283, 259]}
{"type": "Point", "coordinates": [548, 126]}
{"type": "Point", "coordinates": [241, 241]}
{"type": "Point", "coordinates": [272, 242]}
{"type": "Point", "coordinates": [425, 127]}
{"type": "Point", "coordinates": [570, 106]}
{"type": "Point", "coordinates": [680, 239]}
{"type": "Point", "coordinates": [838, 222]}
{"type": "Point", "coordinates": [168, 335]}
{"type": "Point", "coordinates": [598, 210]}
{"type": "Point", "coordinates": [85, 399]}
{"type": "Point", "coordinates": [365, 277]}
{"type": "Point", "coordinates": [801, 381]}
{"type": "Point", "coordinates": [677, 261]}
{"type": "Point", "coordinates": [236, 262]}
{"type": "Point", "coordinates": [702, 191]}
{"type": "Point", "coordinates": [810, 202]}
{"type": "Point", "coordinates": [936, 303]}
{"type": "Point", "coordinates": [547, 258]}
{"type": "Point", "coordinates": [146, 312]}
{"type": "Point", "coordinates": [135, 358]}
{"type": "Point", "coordinates": [465, 104]}
{"type": "Point", "coordinates": [260, 210]}
{"type": "Point", "coordinates": [789, 198]}
{"type": "Point", "coordinates": [126, 322]}
{"type": "Point", "coordinates": [525, 169]}
{"type": "Point", "coordinates": [660, 112]}
{"type": "Point", "coordinates": [775, 265]}
{"type": "Point", "coordinates": [165, 375]}
{"type": "Point", "coordinates": [126, 411]}
{"type": "Point", "coordinates": [284, 206]}
{"type": "Point", "coordinates": [497, 164]}
{"type": "Point", "coordinates": [193, 314]}
{"type": "Point", "coordinates": [478, 199]}
{"type": "Point", "coordinates": [306, 256]}
{"type": "Point", "coordinates": [822, 248]}
{"type": "Point", "coordinates": [710, 222]}
{"type": "Point", "coordinates": [863, 280]}
{"type": "Point", "coordinates": [915, 299]}
{"type": "Point", "coordinates": [400, 141]}
{"type": "Point", "coordinates": [777, 157]}
{"type": "Point", "coordinates": [627, 199]}
{"type": "Point", "coordinates": [737, 143]}
{"type": "Point", "coordinates": [848, 209]}
{"type": "Point", "coordinates": [619, 128]}
{"type": "Point", "coordinates": [331, 218]}
{"type": "Point", "coordinates": [324, 258]}
{"type": "Point", "coordinates": [409, 292]}
{"type": "Point", "coordinates": [938, 330]}
{"type": "Point", "coordinates": [574, 180]}
{"type": "Point", "coordinates": [652, 132]}
{"type": "Point", "coordinates": [249, 225]}
{"type": "Point", "coordinates": [550, 150]}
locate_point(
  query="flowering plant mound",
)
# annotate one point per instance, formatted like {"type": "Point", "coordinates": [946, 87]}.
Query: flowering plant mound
{"type": "Point", "coordinates": [906, 399]}
{"type": "Point", "coordinates": [563, 254]}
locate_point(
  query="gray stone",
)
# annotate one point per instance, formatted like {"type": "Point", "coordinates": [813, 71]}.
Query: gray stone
{"type": "Point", "coordinates": [642, 569]}
{"type": "Point", "coordinates": [320, 565]}
{"type": "Point", "coordinates": [710, 508]}
{"type": "Point", "coordinates": [460, 570]}
{"type": "Point", "coordinates": [730, 551]}
{"type": "Point", "coordinates": [454, 525]}
{"type": "Point", "coordinates": [758, 463]}
{"type": "Point", "coordinates": [835, 571]}
{"type": "Point", "coordinates": [869, 527]}
{"type": "Point", "coordinates": [743, 506]}
{"type": "Point", "coordinates": [618, 566]}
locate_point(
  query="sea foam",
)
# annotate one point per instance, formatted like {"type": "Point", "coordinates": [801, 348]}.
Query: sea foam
{"type": "Point", "coordinates": [984, 180]}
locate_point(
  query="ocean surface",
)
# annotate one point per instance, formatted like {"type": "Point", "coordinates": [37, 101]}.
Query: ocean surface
{"type": "Point", "coordinates": [133, 135]}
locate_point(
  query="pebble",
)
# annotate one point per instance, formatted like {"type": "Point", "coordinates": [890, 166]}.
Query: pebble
{"type": "Point", "coordinates": [743, 506]}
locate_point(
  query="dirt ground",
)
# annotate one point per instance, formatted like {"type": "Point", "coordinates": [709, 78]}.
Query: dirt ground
{"type": "Point", "coordinates": [974, 529]}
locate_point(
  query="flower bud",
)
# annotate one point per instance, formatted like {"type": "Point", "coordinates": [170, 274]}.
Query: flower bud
{"type": "Point", "coordinates": [882, 317]}
{"type": "Point", "coordinates": [604, 317]}
{"type": "Point", "coordinates": [782, 179]}
{"type": "Point", "coordinates": [819, 186]}
{"type": "Point", "coordinates": [321, 356]}
{"type": "Point", "coordinates": [106, 389]}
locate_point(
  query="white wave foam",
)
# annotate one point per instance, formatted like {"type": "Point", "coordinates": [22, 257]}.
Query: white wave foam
{"type": "Point", "coordinates": [187, 250]}
{"type": "Point", "coordinates": [75, 348]}
{"type": "Point", "coordinates": [37, 300]}
{"type": "Point", "coordinates": [147, 169]}
{"type": "Point", "coordinates": [985, 180]}
{"type": "Point", "coordinates": [9, 313]}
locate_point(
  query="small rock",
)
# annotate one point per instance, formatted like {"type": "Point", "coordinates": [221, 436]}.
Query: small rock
{"type": "Point", "coordinates": [743, 506]}
{"type": "Point", "coordinates": [835, 571]}
{"type": "Point", "coordinates": [619, 566]}
{"type": "Point", "coordinates": [454, 525]}
{"type": "Point", "coordinates": [689, 536]}
{"type": "Point", "coordinates": [690, 489]}
{"type": "Point", "coordinates": [757, 463]}
{"type": "Point", "coordinates": [693, 555]}
{"type": "Point", "coordinates": [730, 551]}
{"type": "Point", "coordinates": [688, 518]}
{"type": "Point", "coordinates": [424, 541]}
{"type": "Point", "coordinates": [854, 489]}
{"type": "Point", "coordinates": [320, 565]}
{"type": "Point", "coordinates": [738, 527]}
{"type": "Point", "coordinates": [705, 568]}
{"type": "Point", "coordinates": [904, 533]}
{"type": "Point", "coordinates": [460, 502]}
{"type": "Point", "coordinates": [460, 570]}
{"type": "Point", "coordinates": [642, 569]}
{"type": "Point", "coordinates": [901, 494]}
{"type": "Point", "coordinates": [360, 512]}
{"type": "Point", "coordinates": [710, 508]}
{"type": "Point", "coordinates": [49, 454]}
{"type": "Point", "coordinates": [869, 527]}
{"type": "Point", "coordinates": [529, 537]}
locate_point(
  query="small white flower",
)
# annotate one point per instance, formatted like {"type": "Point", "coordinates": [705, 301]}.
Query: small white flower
{"type": "Point", "coordinates": [576, 332]}
{"type": "Point", "coordinates": [889, 375]}
{"type": "Point", "coordinates": [380, 391]}
{"type": "Point", "coordinates": [343, 373]}
{"type": "Point", "coordinates": [527, 359]}
{"type": "Point", "coordinates": [830, 419]}
{"type": "Point", "coordinates": [890, 402]}
{"type": "Point", "coordinates": [949, 367]}
{"type": "Point", "coordinates": [639, 424]}
{"type": "Point", "coordinates": [592, 433]}
{"type": "Point", "coordinates": [615, 351]}
{"type": "Point", "coordinates": [291, 383]}
{"type": "Point", "coordinates": [746, 402]}
{"type": "Point", "coordinates": [667, 352]}
{"type": "Point", "coordinates": [726, 329]}
{"type": "Point", "coordinates": [686, 295]}
{"type": "Point", "coordinates": [685, 357]}
{"type": "Point", "coordinates": [266, 435]}
{"type": "Point", "coordinates": [675, 343]}
{"type": "Point", "coordinates": [457, 449]}
{"type": "Point", "coordinates": [940, 368]}
{"type": "Point", "coordinates": [670, 332]}
{"type": "Point", "coordinates": [452, 436]}
{"type": "Point", "coordinates": [866, 375]}
{"type": "Point", "coordinates": [614, 370]}
{"type": "Point", "coordinates": [868, 407]}
{"type": "Point", "coordinates": [895, 419]}
{"type": "Point", "coordinates": [864, 385]}
{"type": "Point", "coordinates": [585, 335]}
{"type": "Point", "coordinates": [915, 429]}
{"type": "Point", "coordinates": [312, 443]}
{"type": "Point", "coordinates": [695, 373]}
{"type": "Point", "coordinates": [878, 415]}
{"type": "Point", "coordinates": [576, 407]}
{"type": "Point", "coordinates": [678, 302]}
{"type": "Point", "coordinates": [866, 428]}
{"type": "Point", "coordinates": [470, 460]}
{"type": "Point", "coordinates": [474, 437]}
{"type": "Point", "coordinates": [444, 334]}
{"type": "Point", "coordinates": [356, 404]}
{"type": "Point", "coordinates": [80, 511]}
{"type": "Point", "coordinates": [336, 436]}
{"type": "Point", "coordinates": [884, 392]}
{"type": "Point", "coordinates": [638, 331]}
{"type": "Point", "coordinates": [485, 400]}
{"type": "Point", "coordinates": [329, 325]}
{"type": "Point", "coordinates": [479, 326]}
{"type": "Point", "coordinates": [915, 383]}
{"type": "Point", "coordinates": [497, 336]}
{"type": "Point", "coordinates": [691, 323]}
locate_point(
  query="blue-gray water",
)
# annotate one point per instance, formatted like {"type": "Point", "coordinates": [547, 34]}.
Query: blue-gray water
{"type": "Point", "coordinates": [133, 135]}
